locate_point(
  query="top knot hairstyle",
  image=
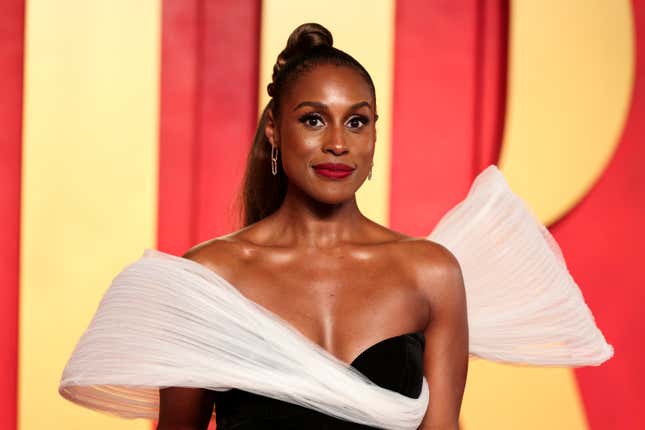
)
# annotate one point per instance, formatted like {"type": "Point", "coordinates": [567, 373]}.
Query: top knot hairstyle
{"type": "Point", "coordinates": [301, 40]}
{"type": "Point", "coordinates": [309, 45]}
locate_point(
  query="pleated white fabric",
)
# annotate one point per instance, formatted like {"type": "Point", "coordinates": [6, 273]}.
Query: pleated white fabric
{"type": "Point", "coordinates": [523, 304]}
{"type": "Point", "coordinates": [169, 321]}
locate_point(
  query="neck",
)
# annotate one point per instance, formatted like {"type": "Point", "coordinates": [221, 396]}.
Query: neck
{"type": "Point", "coordinates": [303, 221]}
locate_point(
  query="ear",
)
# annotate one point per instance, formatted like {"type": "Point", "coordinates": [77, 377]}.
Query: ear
{"type": "Point", "coordinates": [271, 129]}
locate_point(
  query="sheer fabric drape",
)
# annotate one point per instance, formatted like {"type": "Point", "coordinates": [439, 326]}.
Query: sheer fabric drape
{"type": "Point", "coordinates": [169, 321]}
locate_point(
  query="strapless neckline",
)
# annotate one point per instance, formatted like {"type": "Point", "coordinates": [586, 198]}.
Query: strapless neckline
{"type": "Point", "coordinates": [394, 363]}
{"type": "Point", "coordinates": [413, 334]}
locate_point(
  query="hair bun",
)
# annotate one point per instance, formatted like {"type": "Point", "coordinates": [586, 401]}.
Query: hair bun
{"type": "Point", "coordinates": [303, 38]}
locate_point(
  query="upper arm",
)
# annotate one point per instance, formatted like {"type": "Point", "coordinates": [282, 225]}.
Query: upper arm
{"type": "Point", "coordinates": [446, 349]}
{"type": "Point", "coordinates": [182, 408]}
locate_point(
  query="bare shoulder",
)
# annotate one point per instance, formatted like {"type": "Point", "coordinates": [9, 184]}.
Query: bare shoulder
{"type": "Point", "coordinates": [225, 254]}
{"type": "Point", "coordinates": [426, 261]}
{"type": "Point", "coordinates": [435, 269]}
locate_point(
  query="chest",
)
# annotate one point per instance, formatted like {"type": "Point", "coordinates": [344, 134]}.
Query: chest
{"type": "Point", "coordinates": [342, 302]}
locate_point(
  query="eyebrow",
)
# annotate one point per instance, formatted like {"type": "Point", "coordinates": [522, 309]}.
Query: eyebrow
{"type": "Point", "coordinates": [324, 106]}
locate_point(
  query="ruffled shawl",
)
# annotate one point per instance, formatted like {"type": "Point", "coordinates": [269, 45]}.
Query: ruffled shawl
{"type": "Point", "coordinates": [168, 321]}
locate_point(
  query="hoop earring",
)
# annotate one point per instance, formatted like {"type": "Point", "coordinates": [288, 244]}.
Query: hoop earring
{"type": "Point", "coordinates": [274, 160]}
{"type": "Point", "coordinates": [369, 175]}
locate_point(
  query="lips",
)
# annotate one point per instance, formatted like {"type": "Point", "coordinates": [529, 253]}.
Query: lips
{"type": "Point", "coordinates": [333, 170]}
{"type": "Point", "coordinates": [334, 166]}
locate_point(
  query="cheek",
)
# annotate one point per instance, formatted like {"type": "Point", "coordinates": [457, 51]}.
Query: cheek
{"type": "Point", "coordinates": [364, 144]}
{"type": "Point", "coordinates": [297, 149]}
{"type": "Point", "coordinates": [300, 142]}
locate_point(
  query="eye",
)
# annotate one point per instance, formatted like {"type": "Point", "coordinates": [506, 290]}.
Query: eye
{"type": "Point", "coordinates": [312, 120]}
{"type": "Point", "coordinates": [358, 121]}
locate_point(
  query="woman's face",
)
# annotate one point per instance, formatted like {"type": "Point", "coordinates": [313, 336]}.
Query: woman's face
{"type": "Point", "coordinates": [326, 116]}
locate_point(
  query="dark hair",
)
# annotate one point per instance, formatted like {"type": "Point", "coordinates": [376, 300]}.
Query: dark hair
{"type": "Point", "coordinates": [308, 46]}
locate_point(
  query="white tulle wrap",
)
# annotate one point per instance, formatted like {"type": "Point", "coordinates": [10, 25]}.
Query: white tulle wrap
{"type": "Point", "coordinates": [169, 321]}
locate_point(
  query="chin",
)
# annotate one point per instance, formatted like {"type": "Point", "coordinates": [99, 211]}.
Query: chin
{"type": "Point", "coordinates": [333, 198]}
{"type": "Point", "coordinates": [330, 193]}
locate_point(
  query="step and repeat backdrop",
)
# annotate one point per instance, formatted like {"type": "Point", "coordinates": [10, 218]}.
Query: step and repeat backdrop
{"type": "Point", "coordinates": [126, 125]}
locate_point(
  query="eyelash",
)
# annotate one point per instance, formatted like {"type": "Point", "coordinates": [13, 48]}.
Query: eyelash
{"type": "Point", "coordinates": [311, 116]}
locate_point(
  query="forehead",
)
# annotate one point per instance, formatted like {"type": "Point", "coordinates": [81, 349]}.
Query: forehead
{"type": "Point", "coordinates": [329, 83]}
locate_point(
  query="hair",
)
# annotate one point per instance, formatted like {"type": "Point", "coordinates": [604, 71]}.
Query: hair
{"type": "Point", "coordinates": [308, 46]}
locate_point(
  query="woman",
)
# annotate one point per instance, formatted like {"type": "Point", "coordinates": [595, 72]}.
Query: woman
{"type": "Point", "coordinates": [310, 255]}
{"type": "Point", "coordinates": [341, 323]}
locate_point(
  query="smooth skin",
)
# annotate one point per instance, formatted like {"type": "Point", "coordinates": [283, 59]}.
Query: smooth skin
{"type": "Point", "coordinates": [343, 280]}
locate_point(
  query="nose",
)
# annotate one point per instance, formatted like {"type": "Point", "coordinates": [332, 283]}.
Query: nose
{"type": "Point", "coordinates": [335, 142]}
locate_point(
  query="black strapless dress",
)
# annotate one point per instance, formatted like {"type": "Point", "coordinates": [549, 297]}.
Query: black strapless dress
{"type": "Point", "coordinates": [395, 363]}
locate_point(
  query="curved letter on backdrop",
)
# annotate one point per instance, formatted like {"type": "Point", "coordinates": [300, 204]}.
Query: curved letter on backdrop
{"type": "Point", "coordinates": [571, 75]}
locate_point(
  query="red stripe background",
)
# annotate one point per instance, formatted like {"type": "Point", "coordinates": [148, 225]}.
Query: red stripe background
{"type": "Point", "coordinates": [449, 101]}
{"type": "Point", "coordinates": [11, 78]}
{"type": "Point", "coordinates": [209, 110]}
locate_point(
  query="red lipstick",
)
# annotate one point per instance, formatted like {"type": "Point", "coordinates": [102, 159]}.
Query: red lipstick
{"type": "Point", "coordinates": [333, 170]}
